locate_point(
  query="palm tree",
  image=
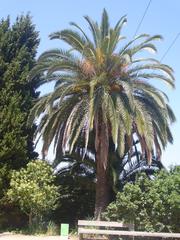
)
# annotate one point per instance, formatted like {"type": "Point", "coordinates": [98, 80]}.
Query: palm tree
{"type": "Point", "coordinates": [102, 88]}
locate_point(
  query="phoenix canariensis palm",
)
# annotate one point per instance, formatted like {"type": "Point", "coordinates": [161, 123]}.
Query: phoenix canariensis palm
{"type": "Point", "coordinates": [101, 86]}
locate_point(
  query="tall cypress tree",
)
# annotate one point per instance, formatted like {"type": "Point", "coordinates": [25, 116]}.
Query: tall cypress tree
{"type": "Point", "coordinates": [18, 45]}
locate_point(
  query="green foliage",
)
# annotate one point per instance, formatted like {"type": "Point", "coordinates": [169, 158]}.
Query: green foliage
{"type": "Point", "coordinates": [18, 44]}
{"type": "Point", "coordinates": [76, 201]}
{"type": "Point", "coordinates": [52, 229]}
{"type": "Point", "coordinates": [33, 189]}
{"type": "Point", "coordinates": [3, 172]}
{"type": "Point", "coordinates": [152, 205]}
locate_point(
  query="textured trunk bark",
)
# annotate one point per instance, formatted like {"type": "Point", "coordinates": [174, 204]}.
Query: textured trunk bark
{"type": "Point", "coordinates": [30, 220]}
{"type": "Point", "coordinates": [102, 168]}
{"type": "Point", "coordinates": [102, 191]}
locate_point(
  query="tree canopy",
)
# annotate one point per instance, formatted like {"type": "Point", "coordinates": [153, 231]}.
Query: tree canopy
{"type": "Point", "coordinates": [33, 189]}
{"type": "Point", "coordinates": [18, 44]}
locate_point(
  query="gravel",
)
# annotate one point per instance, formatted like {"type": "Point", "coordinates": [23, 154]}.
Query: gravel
{"type": "Point", "coordinates": [10, 236]}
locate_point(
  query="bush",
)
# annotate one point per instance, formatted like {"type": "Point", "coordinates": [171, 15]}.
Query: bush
{"type": "Point", "coordinates": [33, 189]}
{"type": "Point", "coordinates": [152, 205]}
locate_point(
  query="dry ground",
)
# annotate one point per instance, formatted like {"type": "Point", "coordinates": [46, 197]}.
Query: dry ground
{"type": "Point", "coordinates": [10, 236]}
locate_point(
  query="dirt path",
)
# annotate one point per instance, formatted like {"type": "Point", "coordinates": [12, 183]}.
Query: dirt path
{"type": "Point", "coordinates": [10, 236]}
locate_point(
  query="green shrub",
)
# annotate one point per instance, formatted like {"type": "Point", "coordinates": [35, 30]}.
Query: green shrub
{"type": "Point", "coordinates": [33, 189]}
{"type": "Point", "coordinates": [152, 205]}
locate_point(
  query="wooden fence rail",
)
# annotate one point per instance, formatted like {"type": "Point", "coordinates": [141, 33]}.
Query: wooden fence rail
{"type": "Point", "coordinates": [114, 228]}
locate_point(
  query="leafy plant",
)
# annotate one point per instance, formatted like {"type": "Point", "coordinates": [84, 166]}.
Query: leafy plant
{"type": "Point", "coordinates": [152, 205]}
{"type": "Point", "coordinates": [33, 189]}
{"type": "Point", "coordinates": [52, 229]}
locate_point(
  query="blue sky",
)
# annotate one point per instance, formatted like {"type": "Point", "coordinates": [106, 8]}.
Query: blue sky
{"type": "Point", "coordinates": [163, 17]}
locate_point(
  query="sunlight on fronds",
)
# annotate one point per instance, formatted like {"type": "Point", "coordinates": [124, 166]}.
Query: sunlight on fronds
{"type": "Point", "coordinates": [101, 83]}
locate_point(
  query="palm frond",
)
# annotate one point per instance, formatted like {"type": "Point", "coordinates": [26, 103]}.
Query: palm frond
{"type": "Point", "coordinates": [94, 30]}
{"type": "Point", "coordinates": [104, 25]}
{"type": "Point", "coordinates": [103, 95]}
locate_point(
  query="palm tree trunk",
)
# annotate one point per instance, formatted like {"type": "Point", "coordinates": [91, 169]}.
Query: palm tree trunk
{"type": "Point", "coordinates": [102, 168]}
{"type": "Point", "coordinates": [102, 191]}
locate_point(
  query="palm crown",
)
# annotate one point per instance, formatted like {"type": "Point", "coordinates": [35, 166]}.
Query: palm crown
{"type": "Point", "coordinates": [98, 83]}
